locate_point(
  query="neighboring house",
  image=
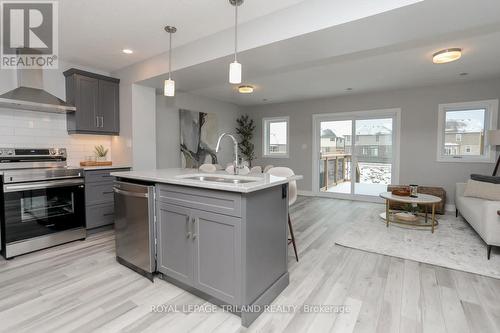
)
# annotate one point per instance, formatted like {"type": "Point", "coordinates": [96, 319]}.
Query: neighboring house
{"type": "Point", "coordinates": [331, 143]}
{"type": "Point", "coordinates": [463, 137]}
{"type": "Point", "coordinates": [373, 143]}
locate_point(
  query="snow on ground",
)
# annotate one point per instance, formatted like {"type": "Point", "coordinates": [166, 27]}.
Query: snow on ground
{"type": "Point", "coordinates": [375, 173]}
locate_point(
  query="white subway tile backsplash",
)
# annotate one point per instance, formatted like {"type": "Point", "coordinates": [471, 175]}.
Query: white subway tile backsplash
{"type": "Point", "coordinates": [37, 130]}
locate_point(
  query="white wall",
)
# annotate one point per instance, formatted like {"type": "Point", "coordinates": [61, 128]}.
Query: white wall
{"type": "Point", "coordinates": [36, 129]}
{"type": "Point", "coordinates": [144, 127]}
{"type": "Point", "coordinates": [168, 127]}
{"type": "Point", "coordinates": [418, 130]}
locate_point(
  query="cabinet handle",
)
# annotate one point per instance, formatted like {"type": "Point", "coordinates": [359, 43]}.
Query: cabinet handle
{"type": "Point", "coordinates": [107, 192]}
{"type": "Point", "coordinates": [108, 214]}
{"type": "Point", "coordinates": [102, 121]}
{"type": "Point", "coordinates": [188, 234]}
{"type": "Point", "coordinates": [194, 220]}
{"type": "Point", "coordinates": [96, 121]}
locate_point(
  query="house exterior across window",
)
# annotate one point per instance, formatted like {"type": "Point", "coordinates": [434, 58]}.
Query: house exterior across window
{"type": "Point", "coordinates": [462, 130]}
{"type": "Point", "coordinates": [275, 137]}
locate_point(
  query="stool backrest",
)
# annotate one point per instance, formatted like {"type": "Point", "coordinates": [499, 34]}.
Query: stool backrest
{"type": "Point", "coordinates": [292, 186]}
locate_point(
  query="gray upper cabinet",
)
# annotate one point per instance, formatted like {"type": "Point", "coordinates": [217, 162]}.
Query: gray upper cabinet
{"type": "Point", "coordinates": [96, 98]}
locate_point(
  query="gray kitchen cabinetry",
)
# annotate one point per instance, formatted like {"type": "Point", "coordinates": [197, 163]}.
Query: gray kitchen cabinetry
{"type": "Point", "coordinates": [96, 98]}
{"type": "Point", "coordinates": [200, 249]}
{"type": "Point", "coordinates": [229, 248]}
{"type": "Point", "coordinates": [99, 198]}
{"type": "Point", "coordinates": [175, 256]}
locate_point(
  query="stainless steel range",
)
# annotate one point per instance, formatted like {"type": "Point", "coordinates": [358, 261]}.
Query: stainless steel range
{"type": "Point", "coordinates": [42, 200]}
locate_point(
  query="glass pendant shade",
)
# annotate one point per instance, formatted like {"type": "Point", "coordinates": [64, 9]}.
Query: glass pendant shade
{"type": "Point", "coordinates": [235, 73]}
{"type": "Point", "coordinates": [169, 89]}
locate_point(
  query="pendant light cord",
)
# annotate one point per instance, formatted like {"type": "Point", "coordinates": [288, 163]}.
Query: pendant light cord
{"type": "Point", "coordinates": [170, 57]}
{"type": "Point", "coordinates": [236, 34]}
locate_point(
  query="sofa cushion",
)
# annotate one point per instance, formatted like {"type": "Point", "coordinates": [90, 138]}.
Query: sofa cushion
{"type": "Point", "coordinates": [482, 190]}
{"type": "Point", "coordinates": [485, 178]}
{"type": "Point", "coordinates": [471, 210]}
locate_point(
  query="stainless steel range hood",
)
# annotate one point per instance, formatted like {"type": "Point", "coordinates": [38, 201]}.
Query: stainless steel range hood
{"type": "Point", "coordinates": [30, 95]}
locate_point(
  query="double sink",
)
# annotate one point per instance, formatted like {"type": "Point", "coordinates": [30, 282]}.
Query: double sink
{"type": "Point", "coordinates": [224, 179]}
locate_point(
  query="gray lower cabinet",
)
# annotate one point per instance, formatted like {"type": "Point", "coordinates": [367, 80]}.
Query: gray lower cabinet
{"type": "Point", "coordinates": [217, 253]}
{"type": "Point", "coordinates": [99, 198]}
{"type": "Point", "coordinates": [230, 248]}
{"type": "Point", "coordinates": [175, 256]}
{"type": "Point", "coordinates": [201, 250]}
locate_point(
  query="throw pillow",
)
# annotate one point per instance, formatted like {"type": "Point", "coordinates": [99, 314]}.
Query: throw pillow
{"type": "Point", "coordinates": [482, 190]}
{"type": "Point", "coordinates": [486, 179]}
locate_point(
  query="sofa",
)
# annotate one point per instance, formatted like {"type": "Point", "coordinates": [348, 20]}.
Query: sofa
{"type": "Point", "coordinates": [481, 214]}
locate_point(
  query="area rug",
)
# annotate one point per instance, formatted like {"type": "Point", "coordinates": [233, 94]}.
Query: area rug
{"type": "Point", "coordinates": [454, 244]}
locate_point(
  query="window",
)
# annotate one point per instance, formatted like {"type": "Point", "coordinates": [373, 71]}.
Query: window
{"type": "Point", "coordinates": [462, 130]}
{"type": "Point", "coordinates": [275, 137]}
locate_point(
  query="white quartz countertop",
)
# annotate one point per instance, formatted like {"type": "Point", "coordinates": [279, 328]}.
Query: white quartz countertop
{"type": "Point", "coordinates": [107, 167]}
{"type": "Point", "coordinates": [178, 177]}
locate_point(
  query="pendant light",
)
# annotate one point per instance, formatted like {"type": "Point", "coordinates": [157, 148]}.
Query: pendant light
{"type": "Point", "coordinates": [235, 67]}
{"type": "Point", "coordinates": [169, 88]}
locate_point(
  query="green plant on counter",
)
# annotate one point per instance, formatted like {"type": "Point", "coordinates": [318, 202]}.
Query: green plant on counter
{"type": "Point", "coordinates": [100, 151]}
{"type": "Point", "coordinates": [245, 130]}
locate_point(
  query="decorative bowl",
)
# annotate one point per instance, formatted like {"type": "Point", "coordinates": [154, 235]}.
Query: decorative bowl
{"type": "Point", "coordinates": [402, 192]}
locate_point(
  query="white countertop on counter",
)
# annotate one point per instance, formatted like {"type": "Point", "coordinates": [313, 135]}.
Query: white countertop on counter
{"type": "Point", "coordinates": [107, 167]}
{"type": "Point", "coordinates": [177, 177]}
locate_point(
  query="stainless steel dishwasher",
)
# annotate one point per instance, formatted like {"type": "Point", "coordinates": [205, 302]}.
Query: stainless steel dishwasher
{"type": "Point", "coordinates": [135, 226]}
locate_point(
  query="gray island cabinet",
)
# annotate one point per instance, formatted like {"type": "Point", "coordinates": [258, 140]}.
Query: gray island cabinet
{"type": "Point", "coordinates": [227, 247]}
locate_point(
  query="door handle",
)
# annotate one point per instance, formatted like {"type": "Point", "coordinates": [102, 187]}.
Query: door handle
{"type": "Point", "coordinates": [193, 221]}
{"type": "Point", "coordinates": [188, 233]}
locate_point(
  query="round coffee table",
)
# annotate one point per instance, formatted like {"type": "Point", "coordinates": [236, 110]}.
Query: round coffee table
{"type": "Point", "coordinates": [422, 199]}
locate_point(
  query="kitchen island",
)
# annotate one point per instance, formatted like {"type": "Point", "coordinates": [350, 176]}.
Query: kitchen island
{"type": "Point", "coordinates": [219, 236]}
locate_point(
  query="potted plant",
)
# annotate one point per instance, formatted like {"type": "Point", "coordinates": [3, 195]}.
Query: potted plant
{"type": "Point", "coordinates": [100, 153]}
{"type": "Point", "coordinates": [245, 130]}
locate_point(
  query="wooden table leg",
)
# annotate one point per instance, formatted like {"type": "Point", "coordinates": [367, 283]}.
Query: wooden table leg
{"type": "Point", "coordinates": [387, 212]}
{"type": "Point", "coordinates": [433, 216]}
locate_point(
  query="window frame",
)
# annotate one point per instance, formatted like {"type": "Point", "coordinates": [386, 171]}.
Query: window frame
{"type": "Point", "coordinates": [266, 122]}
{"type": "Point", "coordinates": [490, 123]}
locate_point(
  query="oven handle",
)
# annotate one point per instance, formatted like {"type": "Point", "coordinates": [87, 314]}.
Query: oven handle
{"type": "Point", "coordinates": [130, 194]}
{"type": "Point", "coordinates": [42, 185]}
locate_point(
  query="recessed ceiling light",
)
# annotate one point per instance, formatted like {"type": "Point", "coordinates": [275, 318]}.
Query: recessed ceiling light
{"type": "Point", "coordinates": [348, 89]}
{"type": "Point", "coordinates": [245, 89]}
{"type": "Point", "coordinates": [463, 74]}
{"type": "Point", "coordinates": [447, 55]}
{"type": "Point", "coordinates": [127, 51]}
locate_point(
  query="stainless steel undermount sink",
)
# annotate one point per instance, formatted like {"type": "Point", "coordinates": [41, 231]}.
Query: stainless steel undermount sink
{"type": "Point", "coordinates": [217, 179]}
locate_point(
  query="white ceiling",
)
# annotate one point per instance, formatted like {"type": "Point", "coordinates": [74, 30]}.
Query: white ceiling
{"type": "Point", "coordinates": [387, 51]}
{"type": "Point", "coordinates": [94, 32]}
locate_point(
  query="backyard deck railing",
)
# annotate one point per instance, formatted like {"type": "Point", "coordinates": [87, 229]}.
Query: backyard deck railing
{"type": "Point", "coordinates": [334, 169]}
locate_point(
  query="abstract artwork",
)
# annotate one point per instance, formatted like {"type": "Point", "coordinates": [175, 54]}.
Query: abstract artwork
{"type": "Point", "coordinates": [198, 138]}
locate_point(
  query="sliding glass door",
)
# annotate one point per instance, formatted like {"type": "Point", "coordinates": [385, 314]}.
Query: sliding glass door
{"type": "Point", "coordinates": [356, 153]}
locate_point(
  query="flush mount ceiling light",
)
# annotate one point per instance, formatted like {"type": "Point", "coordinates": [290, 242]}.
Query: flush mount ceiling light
{"type": "Point", "coordinates": [235, 67]}
{"type": "Point", "coordinates": [245, 89]}
{"type": "Point", "coordinates": [127, 51]}
{"type": "Point", "coordinates": [169, 86]}
{"type": "Point", "coordinates": [447, 55]}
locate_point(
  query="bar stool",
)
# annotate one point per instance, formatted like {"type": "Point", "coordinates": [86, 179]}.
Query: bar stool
{"type": "Point", "coordinates": [292, 197]}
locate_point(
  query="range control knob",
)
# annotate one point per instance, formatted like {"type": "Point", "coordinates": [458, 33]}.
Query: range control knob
{"type": "Point", "coordinates": [10, 152]}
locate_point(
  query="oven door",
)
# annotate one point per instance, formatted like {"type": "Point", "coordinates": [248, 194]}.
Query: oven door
{"type": "Point", "coordinates": [42, 208]}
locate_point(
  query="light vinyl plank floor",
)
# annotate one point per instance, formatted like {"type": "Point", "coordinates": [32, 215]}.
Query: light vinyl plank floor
{"type": "Point", "coordinates": [79, 287]}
